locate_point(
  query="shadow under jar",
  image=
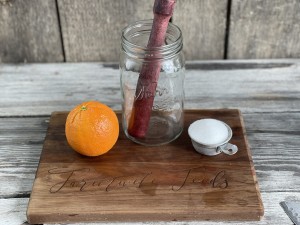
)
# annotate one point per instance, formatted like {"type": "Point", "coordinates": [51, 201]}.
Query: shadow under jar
{"type": "Point", "coordinates": [152, 82]}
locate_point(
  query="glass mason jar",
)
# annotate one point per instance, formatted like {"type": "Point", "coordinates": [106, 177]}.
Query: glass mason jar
{"type": "Point", "coordinates": [151, 85]}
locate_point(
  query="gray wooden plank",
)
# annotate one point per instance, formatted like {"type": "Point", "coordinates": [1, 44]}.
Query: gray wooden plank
{"type": "Point", "coordinates": [275, 144]}
{"type": "Point", "coordinates": [29, 32]}
{"type": "Point", "coordinates": [92, 29]}
{"type": "Point", "coordinates": [251, 86]}
{"type": "Point", "coordinates": [203, 25]}
{"type": "Point", "coordinates": [264, 29]}
{"type": "Point", "coordinates": [273, 138]}
{"type": "Point", "coordinates": [21, 144]}
{"type": "Point", "coordinates": [12, 211]}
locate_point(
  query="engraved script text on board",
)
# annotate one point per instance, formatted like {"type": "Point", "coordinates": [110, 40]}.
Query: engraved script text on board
{"type": "Point", "coordinates": [78, 180]}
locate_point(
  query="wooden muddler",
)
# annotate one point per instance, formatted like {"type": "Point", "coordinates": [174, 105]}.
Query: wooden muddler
{"type": "Point", "coordinates": [148, 78]}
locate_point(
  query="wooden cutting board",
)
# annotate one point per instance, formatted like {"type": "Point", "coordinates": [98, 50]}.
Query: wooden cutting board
{"type": "Point", "coordinates": [137, 183]}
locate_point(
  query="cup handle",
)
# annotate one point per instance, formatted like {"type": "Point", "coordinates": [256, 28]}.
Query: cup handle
{"type": "Point", "coordinates": [228, 149]}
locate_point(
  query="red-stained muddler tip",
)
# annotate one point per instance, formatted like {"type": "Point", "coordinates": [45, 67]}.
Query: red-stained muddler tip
{"type": "Point", "coordinates": [148, 78]}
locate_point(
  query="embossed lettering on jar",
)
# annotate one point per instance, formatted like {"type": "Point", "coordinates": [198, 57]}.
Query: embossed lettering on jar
{"type": "Point", "coordinates": [167, 115]}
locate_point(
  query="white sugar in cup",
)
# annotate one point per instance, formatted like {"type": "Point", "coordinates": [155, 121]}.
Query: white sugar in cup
{"type": "Point", "coordinates": [208, 131]}
{"type": "Point", "coordinates": [211, 136]}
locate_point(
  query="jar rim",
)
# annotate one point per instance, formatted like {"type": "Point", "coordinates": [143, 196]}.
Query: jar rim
{"type": "Point", "coordinates": [140, 51]}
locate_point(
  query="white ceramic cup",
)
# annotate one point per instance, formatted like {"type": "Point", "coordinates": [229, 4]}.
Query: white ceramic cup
{"type": "Point", "coordinates": [211, 137]}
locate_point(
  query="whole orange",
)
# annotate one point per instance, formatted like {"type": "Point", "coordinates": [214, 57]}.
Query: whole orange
{"type": "Point", "coordinates": [92, 128]}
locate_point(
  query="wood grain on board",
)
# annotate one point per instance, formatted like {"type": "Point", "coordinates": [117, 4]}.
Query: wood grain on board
{"type": "Point", "coordinates": [29, 32]}
{"type": "Point", "coordinates": [137, 183]}
{"type": "Point", "coordinates": [24, 137]}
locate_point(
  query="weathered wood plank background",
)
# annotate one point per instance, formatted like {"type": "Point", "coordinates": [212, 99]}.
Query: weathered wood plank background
{"type": "Point", "coordinates": [264, 29]}
{"type": "Point", "coordinates": [77, 31]}
{"type": "Point", "coordinates": [203, 24]}
{"type": "Point", "coordinates": [29, 31]}
{"type": "Point", "coordinates": [92, 29]}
